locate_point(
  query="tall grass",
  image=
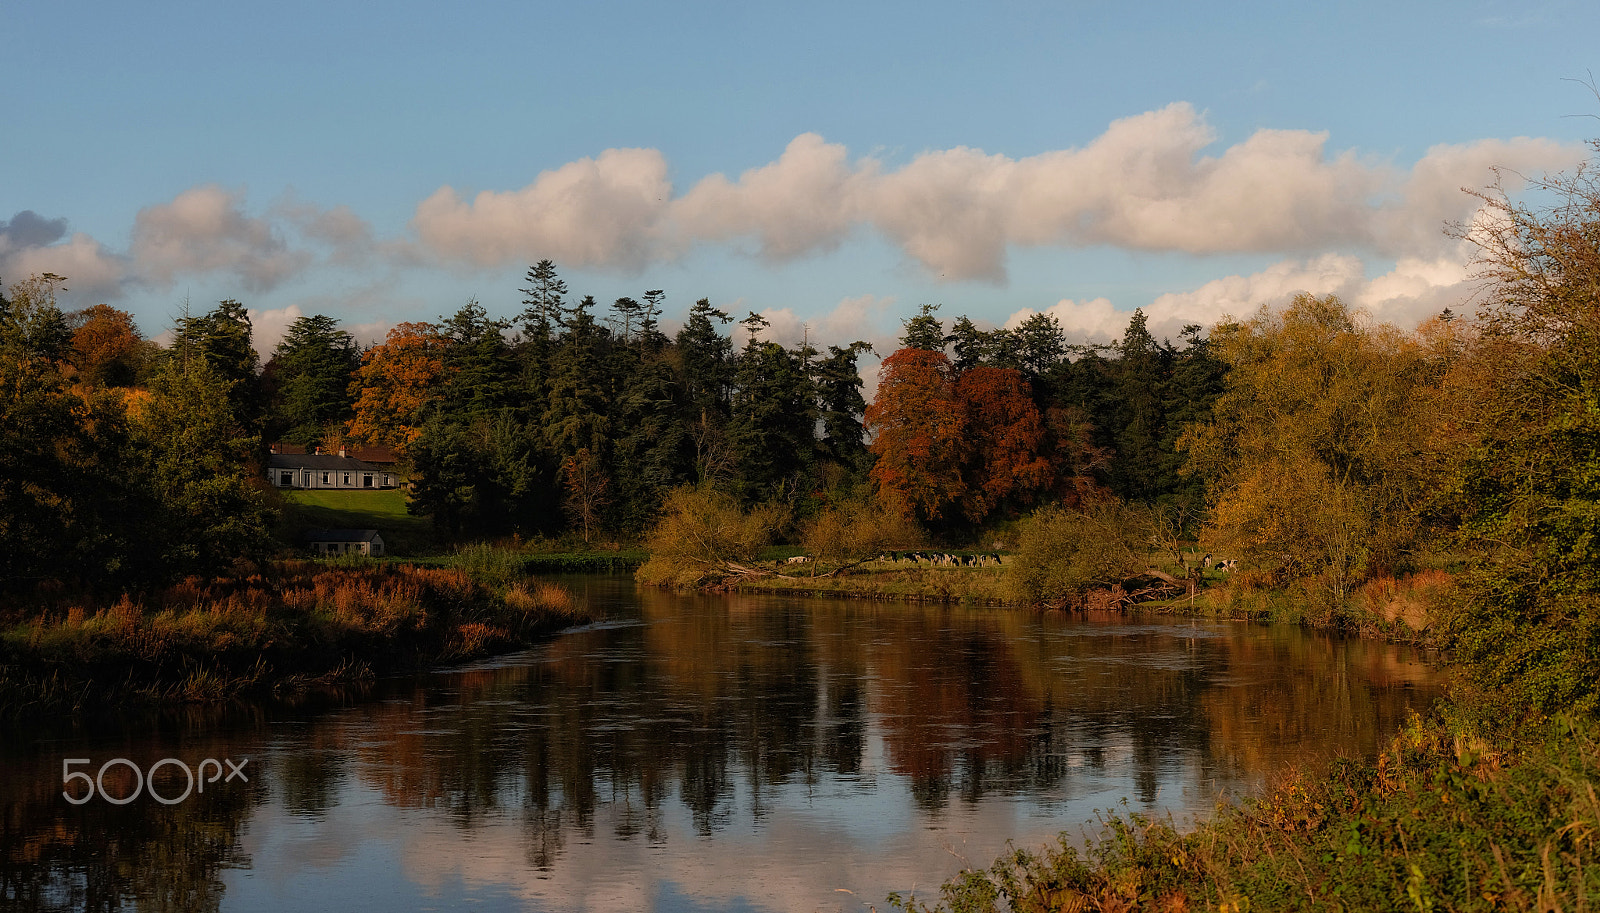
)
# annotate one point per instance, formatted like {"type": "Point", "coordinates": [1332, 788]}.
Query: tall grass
{"type": "Point", "coordinates": [284, 626]}
{"type": "Point", "coordinates": [1441, 821]}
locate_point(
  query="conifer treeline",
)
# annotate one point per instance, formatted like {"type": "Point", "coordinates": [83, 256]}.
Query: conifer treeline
{"type": "Point", "coordinates": [568, 418]}
{"type": "Point", "coordinates": [563, 417]}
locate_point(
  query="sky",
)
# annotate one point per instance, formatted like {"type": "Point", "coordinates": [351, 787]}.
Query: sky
{"type": "Point", "coordinates": [833, 166]}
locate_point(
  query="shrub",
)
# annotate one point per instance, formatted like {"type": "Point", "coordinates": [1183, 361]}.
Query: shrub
{"type": "Point", "coordinates": [704, 537]}
{"type": "Point", "coordinates": [1064, 553]}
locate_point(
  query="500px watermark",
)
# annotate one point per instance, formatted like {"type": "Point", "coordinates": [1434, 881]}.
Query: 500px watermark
{"type": "Point", "coordinates": [196, 779]}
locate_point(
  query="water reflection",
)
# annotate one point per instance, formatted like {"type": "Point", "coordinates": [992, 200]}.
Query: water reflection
{"type": "Point", "coordinates": [699, 752]}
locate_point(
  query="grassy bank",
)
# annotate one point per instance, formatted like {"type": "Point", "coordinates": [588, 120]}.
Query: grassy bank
{"type": "Point", "coordinates": [884, 580]}
{"type": "Point", "coordinates": [283, 627]}
{"type": "Point", "coordinates": [384, 511]}
{"type": "Point", "coordinates": [1441, 821]}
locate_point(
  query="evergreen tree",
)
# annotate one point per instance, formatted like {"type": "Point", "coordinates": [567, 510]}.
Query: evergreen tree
{"type": "Point", "coordinates": [221, 338]}
{"type": "Point", "coordinates": [924, 331]}
{"type": "Point", "coordinates": [841, 406]}
{"type": "Point", "coordinates": [706, 355]}
{"type": "Point", "coordinates": [311, 371]}
{"type": "Point", "coordinates": [972, 346]}
{"type": "Point", "coordinates": [774, 414]}
{"type": "Point", "coordinates": [575, 415]}
{"type": "Point", "coordinates": [1139, 422]}
{"type": "Point", "coordinates": [477, 362]}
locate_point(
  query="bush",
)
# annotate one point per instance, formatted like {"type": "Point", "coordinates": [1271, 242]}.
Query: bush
{"type": "Point", "coordinates": [1064, 553]}
{"type": "Point", "coordinates": [704, 537]}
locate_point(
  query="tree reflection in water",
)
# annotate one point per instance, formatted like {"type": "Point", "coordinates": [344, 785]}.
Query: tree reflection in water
{"type": "Point", "coordinates": [735, 711]}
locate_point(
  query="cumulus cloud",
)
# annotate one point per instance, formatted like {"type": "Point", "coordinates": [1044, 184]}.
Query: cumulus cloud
{"type": "Point", "coordinates": [268, 327]}
{"type": "Point", "coordinates": [29, 229]}
{"type": "Point", "coordinates": [1147, 183]}
{"type": "Point", "coordinates": [859, 318]}
{"type": "Point", "coordinates": [1413, 290]}
{"type": "Point", "coordinates": [347, 236]}
{"type": "Point", "coordinates": [604, 211]}
{"type": "Point", "coordinates": [205, 230]}
{"type": "Point", "coordinates": [1096, 320]}
{"type": "Point", "coordinates": [31, 244]}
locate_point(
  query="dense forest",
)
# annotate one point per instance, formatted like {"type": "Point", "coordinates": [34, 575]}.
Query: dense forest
{"type": "Point", "coordinates": [566, 420]}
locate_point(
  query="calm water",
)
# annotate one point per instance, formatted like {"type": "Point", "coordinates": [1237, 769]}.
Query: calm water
{"type": "Point", "coordinates": [697, 753]}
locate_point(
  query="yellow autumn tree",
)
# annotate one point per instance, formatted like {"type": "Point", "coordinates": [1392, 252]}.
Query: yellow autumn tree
{"type": "Point", "coordinates": [1316, 457]}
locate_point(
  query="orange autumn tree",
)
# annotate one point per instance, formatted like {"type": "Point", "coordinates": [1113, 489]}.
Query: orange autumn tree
{"type": "Point", "coordinates": [1005, 435]}
{"type": "Point", "coordinates": [106, 346]}
{"type": "Point", "coordinates": [917, 425]}
{"type": "Point", "coordinates": [395, 380]}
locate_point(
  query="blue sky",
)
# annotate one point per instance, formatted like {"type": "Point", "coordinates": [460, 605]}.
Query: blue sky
{"type": "Point", "coordinates": [382, 163]}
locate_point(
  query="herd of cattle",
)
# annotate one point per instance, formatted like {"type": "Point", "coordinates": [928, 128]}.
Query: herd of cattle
{"type": "Point", "coordinates": [944, 559]}
{"type": "Point", "coordinates": [933, 558]}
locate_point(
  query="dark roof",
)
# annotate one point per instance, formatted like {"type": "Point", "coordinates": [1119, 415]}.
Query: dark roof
{"type": "Point", "coordinates": [374, 454]}
{"type": "Point", "coordinates": [370, 454]}
{"type": "Point", "coordinates": [322, 461]}
{"type": "Point", "coordinates": [341, 535]}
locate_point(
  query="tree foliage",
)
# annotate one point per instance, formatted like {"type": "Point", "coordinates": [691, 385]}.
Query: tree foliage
{"type": "Point", "coordinates": [396, 381]}
{"type": "Point", "coordinates": [1312, 454]}
{"type": "Point", "coordinates": [1063, 553]}
{"type": "Point", "coordinates": [1527, 623]}
{"type": "Point", "coordinates": [705, 536]}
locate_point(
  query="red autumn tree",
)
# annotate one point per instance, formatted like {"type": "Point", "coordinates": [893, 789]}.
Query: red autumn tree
{"type": "Point", "coordinates": [917, 426]}
{"type": "Point", "coordinates": [1005, 436]}
{"type": "Point", "coordinates": [395, 380]}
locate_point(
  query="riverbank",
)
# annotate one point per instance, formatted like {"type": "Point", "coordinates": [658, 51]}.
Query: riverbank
{"type": "Point", "coordinates": [282, 627]}
{"type": "Point", "coordinates": [1442, 820]}
{"type": "Point", "coordinates": [1388, 608]}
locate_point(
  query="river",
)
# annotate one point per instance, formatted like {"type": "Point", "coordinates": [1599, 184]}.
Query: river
{"type": "Point", "coordinates": [692, 753]}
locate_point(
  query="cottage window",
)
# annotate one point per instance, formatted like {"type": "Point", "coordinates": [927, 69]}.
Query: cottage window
{"type": "Point", "coordinates": [347, 478]}
{"type": "Point", "coordinates": [324, 478]}
{"type": "Point", "coordinates": [366, 481]}
{"type": "Point", "coordinates": [286, 479]}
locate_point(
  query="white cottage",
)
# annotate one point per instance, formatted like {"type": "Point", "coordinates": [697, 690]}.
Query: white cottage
{"type": "Point", "coordinates": [345, 542]}
{"type": "Point", "coordinates": [323, 470]}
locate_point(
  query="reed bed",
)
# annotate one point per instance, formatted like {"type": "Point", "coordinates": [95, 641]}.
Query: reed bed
{"type": "Point", "coordinates": [281, 627]}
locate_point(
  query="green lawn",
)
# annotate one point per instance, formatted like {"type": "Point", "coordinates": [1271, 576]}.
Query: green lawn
{"type": "Point", "coordinates": [384, 511]}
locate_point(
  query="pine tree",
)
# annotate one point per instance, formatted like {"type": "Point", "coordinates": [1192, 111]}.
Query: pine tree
{"type": "Point", "coordinates": [841, 407]}
{"type": "Point", "coordinates": [924, 331]}
{"type": "Point", "coordinates": [774, 414]}
{"type": "Point", "coordinates": [311, 369]}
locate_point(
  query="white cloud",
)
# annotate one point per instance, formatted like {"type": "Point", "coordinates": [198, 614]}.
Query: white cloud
{"type": "Point", "coordinates": [1412, 291]}
{"type": "Point", "coordinates": [602, 211]}
{"type": "Point", "coordinates": [267, 328]}
{"type": "Point", "coordinates": [93, 273]}
{"type": "Point", "coordinates": [1096, 320]}
{"type": "Point", "coordinates": [204, 230]}
{"type": "Point", "coordinates": [1147, 183]}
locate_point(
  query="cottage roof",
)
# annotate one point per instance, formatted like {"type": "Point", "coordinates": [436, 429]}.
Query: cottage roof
{"type": "Point", "coordinates": [322, 461]}
{"type": "Point", "coordinates": [341, 535]}
{"type": "Point", "coordinates": [369, 454]}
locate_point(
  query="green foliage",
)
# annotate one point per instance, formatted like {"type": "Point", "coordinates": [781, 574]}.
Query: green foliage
{"type": "Point", "coordinates": [199, 458]}
{"type": "Point", "coordinates": [1441, 821]}
{"type": "Point", "coordinates": [1527, 623]}
{"type": "Point", "coordinates": [924, 331]}
{"type": "Point", "coordinates": [311, 371]}
{"type": "Point", "coordinates": [772, 429]}
{"type": "Point", "coordinates": [1063, 553]}
{"type": "Point", "coordinates": [221, 339]}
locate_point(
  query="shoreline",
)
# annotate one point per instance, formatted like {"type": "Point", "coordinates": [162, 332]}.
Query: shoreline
{"type": "Point", "coordinates": [291, 627]}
